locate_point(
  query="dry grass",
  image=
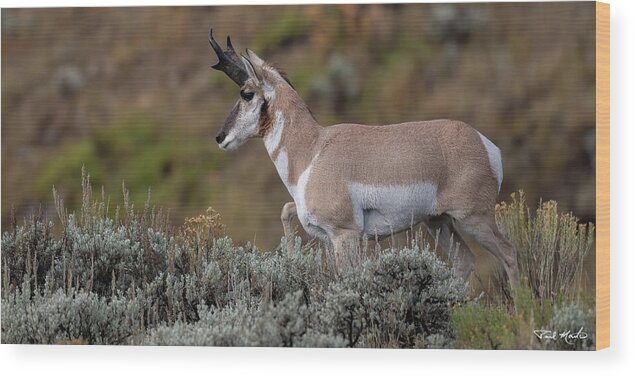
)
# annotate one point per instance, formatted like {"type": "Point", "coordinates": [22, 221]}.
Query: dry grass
{"type": "Point", "coordinates": [551, 246]}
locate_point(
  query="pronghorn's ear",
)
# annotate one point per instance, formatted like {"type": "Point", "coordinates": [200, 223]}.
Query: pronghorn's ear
{"type": "Point", "coordinates": [251, 70]}
{"type": "Point", "coordinates": [255, 59]}
{"type": "Point", "coordinates": [256, 64]}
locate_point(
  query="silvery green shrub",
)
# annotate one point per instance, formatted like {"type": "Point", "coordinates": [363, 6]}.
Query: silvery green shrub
{"type": "Point", "coordinates": [285, 323]}
{"type": "Point", "coordinates": [575, 328]}
{"type": "Point", "coordinates": [400, 299]}
{"type": "Point", "coordinates": [130, 280]}
{"type": "Point", "coordinates": [397, 299]}
{"type": "Point", "coordinates": [59, 317]}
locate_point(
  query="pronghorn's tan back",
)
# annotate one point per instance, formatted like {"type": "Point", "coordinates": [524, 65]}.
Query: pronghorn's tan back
{"type": "Point", "coordinates": [447, 153]}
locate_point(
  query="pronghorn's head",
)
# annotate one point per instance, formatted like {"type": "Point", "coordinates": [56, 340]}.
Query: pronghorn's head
{"type": "Point", "coordinates": [258, 83]}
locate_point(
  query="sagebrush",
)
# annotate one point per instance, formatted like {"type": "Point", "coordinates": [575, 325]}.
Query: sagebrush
{"type": "Point", "coordinates": [128, 277]}
{"type": "Point", "coordinates": [133, 280]}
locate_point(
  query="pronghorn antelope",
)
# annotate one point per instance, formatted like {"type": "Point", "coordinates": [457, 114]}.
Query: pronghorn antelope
{"type": "Point", "coordinates": [353, 181]}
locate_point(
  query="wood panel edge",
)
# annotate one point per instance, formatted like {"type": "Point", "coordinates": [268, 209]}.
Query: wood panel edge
{"type": "Point", "coordinates": [602, 203]}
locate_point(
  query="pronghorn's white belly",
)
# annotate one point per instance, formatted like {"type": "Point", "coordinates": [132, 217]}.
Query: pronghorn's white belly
{"type": "Point", "coordinates": [385, 210]}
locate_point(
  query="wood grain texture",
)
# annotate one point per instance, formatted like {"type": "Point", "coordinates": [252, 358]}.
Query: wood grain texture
{"type": "Point", "coordinates": [602, 105]}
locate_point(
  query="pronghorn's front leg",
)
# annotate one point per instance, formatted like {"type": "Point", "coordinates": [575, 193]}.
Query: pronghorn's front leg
{"type": "Point", "coordinates": [289, 211]}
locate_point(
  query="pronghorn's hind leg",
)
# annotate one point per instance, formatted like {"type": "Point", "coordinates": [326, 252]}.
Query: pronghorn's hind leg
{"type": "Point", "coordinates": [452, 244]}
{"type": "Point", "coordinates": [289, 212]}
{"type": "Point", "coordinates": [484, 230]}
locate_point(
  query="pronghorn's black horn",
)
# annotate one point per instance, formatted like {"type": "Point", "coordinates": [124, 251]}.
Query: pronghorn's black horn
{"type": "Point", "coordinates": [228, 61]}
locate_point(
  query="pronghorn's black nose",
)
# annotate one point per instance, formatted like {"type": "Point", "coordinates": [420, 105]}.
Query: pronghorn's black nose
{"type": "Point", "coordinates": [220, 137]}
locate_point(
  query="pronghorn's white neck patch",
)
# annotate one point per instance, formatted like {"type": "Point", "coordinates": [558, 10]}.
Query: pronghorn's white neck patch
{"type": "Point", "coordinates": [309, 222]}
{"type": "Point", "coordinates": [282, 166]}
{"type": "Point", "coordinates": [272, 139]}
{"type": "Point", "coordinates": [495, 160]}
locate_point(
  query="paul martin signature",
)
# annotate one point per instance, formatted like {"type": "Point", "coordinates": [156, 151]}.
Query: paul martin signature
{"type": "Point", "coordinates": [568, 336]}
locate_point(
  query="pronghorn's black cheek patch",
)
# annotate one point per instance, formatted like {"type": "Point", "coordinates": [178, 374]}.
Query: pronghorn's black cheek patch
{"type": "Point", "coordinates": [264, 123]}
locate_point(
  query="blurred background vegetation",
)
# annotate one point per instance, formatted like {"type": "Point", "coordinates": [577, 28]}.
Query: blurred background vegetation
{"type": "Point", "coordinates": [128, 93]}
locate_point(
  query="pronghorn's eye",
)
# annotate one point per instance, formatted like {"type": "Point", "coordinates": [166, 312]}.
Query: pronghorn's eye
{"type": "Point", "coordinates": [246, 96]}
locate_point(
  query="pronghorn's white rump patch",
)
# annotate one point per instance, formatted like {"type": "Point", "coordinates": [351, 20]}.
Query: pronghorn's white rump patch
{"type": "Point", "coordinates": [272, 140]}
{"type": "Point", "coordinates": [386, 210]}
{"type": "Point", "coordinates": [495, 160]}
